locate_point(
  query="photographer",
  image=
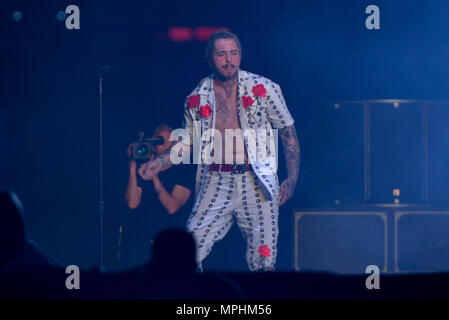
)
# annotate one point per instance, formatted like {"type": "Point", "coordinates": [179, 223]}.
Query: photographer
{"type": "Point", "coordinates": [162, 202]}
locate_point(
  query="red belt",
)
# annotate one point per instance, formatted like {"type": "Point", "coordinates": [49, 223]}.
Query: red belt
{"type": "Point", "coordinates": [235, 168]}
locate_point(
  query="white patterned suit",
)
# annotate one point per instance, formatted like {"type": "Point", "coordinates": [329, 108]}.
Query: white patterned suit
{"type": "Point", "coordinates": [250, 198]}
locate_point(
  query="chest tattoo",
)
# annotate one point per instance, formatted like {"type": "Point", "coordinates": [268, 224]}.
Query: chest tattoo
{"type": "Point", "coordinates": [223, 106]}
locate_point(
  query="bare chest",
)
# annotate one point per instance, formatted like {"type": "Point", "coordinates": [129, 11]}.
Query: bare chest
{"type": "Point", "coordinates": [226, 116]}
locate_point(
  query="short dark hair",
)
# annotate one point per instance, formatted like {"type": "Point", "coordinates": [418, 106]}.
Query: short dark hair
{"type": "Point", "coordinates": [220, 34]}
{"type": "Point", "coordinates": [162, 127]}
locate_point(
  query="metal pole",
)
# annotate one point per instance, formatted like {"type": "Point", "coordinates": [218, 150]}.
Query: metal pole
{"type": "Point", "coordinates": [366, 151]}
{"type": "Point", "coordinates": [425, 141]}
{"type": "Point", "coordinates": [101, 202]}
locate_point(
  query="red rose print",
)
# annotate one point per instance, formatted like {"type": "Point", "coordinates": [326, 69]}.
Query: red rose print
{"type": "Point", "coordinates": [247, 101]}
{"type": "Point", "coordinates": [205, 111]}
{"type": "Point", "coordinates": [264, 251]}
{"type": "Point", "coordinates": [259, 90]}
{"type": "Point", "coordinates": [193, 101]}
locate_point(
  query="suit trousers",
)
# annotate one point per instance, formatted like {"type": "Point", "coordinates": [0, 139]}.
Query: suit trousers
{"type": "Point", "coordinates": [229, 197]}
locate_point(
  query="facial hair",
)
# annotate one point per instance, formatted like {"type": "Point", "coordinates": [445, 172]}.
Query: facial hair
{"type": "Point", "coordinates": [219, 76]}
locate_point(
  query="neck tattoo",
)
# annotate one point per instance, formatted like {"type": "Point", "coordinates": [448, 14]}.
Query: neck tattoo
{"type": "Point", "coordinates": [228, 85]}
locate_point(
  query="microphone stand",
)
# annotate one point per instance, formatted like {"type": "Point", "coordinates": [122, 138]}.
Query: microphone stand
{"type": "Point", "coordinates": [100, 70]}
{"type": "Point", "coordinates": [101, 202]}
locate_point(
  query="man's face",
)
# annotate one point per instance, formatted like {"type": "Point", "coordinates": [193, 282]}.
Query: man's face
{"type": "Point", "coordinates": [167, 143]}
{"type": "Point", "coordinates": [226, 57]}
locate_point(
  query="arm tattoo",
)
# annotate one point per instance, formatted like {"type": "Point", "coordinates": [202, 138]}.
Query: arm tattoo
{"type": "Point", "coordinates": [164, 157]}
{"type": "Point", "coordinates": [292, 154]}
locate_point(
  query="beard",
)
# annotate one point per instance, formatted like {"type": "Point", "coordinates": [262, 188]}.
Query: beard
{"type": "Point", "coordinates": [226, 72]}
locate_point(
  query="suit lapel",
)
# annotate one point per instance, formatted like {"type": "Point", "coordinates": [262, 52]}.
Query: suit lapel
{"type": "Point", "coordinates": [242, 89]}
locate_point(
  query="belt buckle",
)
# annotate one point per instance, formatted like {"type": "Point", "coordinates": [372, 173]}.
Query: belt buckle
{"type": "Point", "coordinates": [238, 168]}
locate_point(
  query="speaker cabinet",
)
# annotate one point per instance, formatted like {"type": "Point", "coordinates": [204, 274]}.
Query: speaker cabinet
{"type": "Point", "coordinates": [340, 241]}
{"type": "Point", "coordinates": [421, 241]}
{"type": "Point", "coordinates": [396, 152]}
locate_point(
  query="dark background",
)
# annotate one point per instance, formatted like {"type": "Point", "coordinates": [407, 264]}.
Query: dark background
{"type": "Point", "coordinates": [318, 51]}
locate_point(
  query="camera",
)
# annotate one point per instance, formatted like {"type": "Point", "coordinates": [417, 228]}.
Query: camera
{"type": "Point", "coordinates": [143, 148]}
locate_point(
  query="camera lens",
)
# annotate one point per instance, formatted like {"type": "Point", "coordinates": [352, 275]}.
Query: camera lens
{"type": "Point", "coordinates": [142, 150]}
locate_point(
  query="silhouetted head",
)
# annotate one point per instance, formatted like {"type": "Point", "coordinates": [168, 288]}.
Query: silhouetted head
{"type": "Point", "coordinates": [12, 234]}
{"type": "Point", "coordinates": [174, 250]}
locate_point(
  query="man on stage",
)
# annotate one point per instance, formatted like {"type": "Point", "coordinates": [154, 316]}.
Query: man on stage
{"type": "Point", "coordinates": [234, 112]}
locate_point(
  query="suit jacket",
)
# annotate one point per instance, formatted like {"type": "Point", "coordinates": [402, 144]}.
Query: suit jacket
{"type": "Point", "coordinates": [261, 110]}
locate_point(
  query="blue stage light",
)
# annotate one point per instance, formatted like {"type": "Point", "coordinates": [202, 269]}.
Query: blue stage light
{"type": "Point", "coordinates": [61, 16]}
{"type": "Point", "coordinates": [17, 16]}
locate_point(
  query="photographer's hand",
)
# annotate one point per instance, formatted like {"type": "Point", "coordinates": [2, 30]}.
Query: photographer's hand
{"type": "Point", "coordinates": [150, 168]}
{"type": "Point", "coordinates": [132, 162]}
{"type": "Point", "coordinates": [133, 192]}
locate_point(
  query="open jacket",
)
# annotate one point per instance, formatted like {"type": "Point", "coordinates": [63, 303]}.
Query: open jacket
{"type": "Point", "coordinates": [259, 117]}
